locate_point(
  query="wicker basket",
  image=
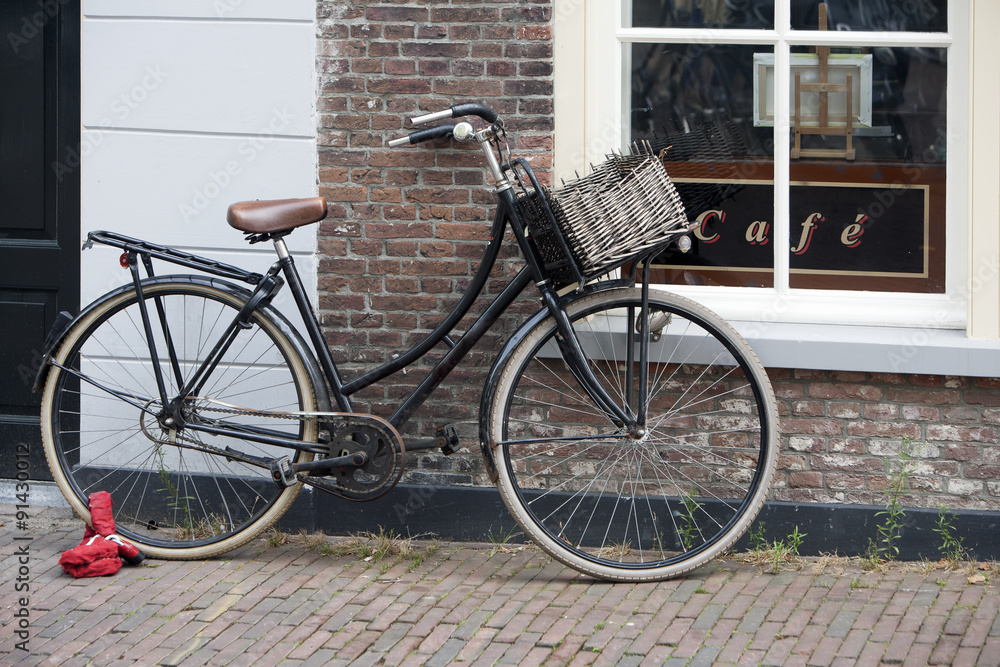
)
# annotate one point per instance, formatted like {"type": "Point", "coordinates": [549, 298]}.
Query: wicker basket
{"type": "Point", "coordinates": [626, 206]}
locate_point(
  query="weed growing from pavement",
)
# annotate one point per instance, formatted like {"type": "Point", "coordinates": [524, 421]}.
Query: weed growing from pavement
{"type": "Point", "coordinates": [689, 530]}
{"type": "Point", "coordinates": [367, 546]}
{"type": "Point", "coordinates": [501, 541]}
{"type": "Point", "coordinates": [276, 538]}
{"type": "Point", "coordinates": [952, 548]}
{"type": "Point", "coordinates": [884, 547]}
{"type": "Point", "coordinates": [774, 554]}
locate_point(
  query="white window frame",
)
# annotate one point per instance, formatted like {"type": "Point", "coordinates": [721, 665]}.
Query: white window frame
{"type": "Point", "coordinates": [592, 74]}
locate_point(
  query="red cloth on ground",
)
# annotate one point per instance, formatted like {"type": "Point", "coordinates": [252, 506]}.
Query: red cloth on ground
{"type": "Point", "coordinates": [97, 556]}
{"type": "Point", "coordinates": [100, 513]}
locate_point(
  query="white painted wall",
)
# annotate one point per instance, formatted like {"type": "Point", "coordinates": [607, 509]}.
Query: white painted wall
{"type": "Point", "coordinates": [189, 106]}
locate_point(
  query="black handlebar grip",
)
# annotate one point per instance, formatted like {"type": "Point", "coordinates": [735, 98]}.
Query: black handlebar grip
{"type": "Point", "coordinates": [431, 133]}
{"type": "Point", "coordinates": [474, 109]}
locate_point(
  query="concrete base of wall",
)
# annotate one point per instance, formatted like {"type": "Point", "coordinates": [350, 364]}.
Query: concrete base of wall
{"type": "Point", "coordinates": [477, 514]}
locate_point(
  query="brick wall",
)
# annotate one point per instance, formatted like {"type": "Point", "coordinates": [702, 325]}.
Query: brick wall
{"type": "Point", "coordinates": [407, 226]}
{"type": "Point", "coordinates": [843, 432]}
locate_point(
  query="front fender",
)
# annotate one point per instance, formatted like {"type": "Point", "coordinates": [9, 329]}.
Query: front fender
{"type": "Point", "coordinates": [490, 386]}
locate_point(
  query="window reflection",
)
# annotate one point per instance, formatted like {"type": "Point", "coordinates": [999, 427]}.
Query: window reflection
{"type": "Point", "coordinates": [873, 15]}
{"type": "Point", "coordinates": [696, 101]}
{"type": "Point", "coordinates": [872, 223]}
{"type": "Point", "coordinates": [866, 15]}
{"type": "Point", "coordinates": [678, 87]}
{"type": "Point", "coordinates": [703, 14]}
{"type": "Point", "coordinates": [908, 107]}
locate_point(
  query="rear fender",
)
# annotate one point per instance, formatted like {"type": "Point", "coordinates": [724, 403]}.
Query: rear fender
{"type": "Point", "coordinates": [65, 322]}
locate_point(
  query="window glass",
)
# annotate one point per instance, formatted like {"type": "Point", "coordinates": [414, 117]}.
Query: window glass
{"type": "Point", "coordinates": [697, 101]}
{"type": "Point", "coordinates": [876, 222]}
{"type": "Point", "coordinates": [702, 14]}
{"type": "Point", "coordinates": [870, 219]}
{"type": "Point", "coordinates": [873, 15]}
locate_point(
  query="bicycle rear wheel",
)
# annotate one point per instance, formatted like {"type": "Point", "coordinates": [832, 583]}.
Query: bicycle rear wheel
{"type": "Point", "coordinates": [186, 498]}
{"type": "Point", "coordinates": [641, 506]}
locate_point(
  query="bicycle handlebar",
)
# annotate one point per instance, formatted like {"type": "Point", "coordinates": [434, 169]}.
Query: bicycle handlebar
{"type": "Point", "coordinates": [457, 111]}
{"type": "Point", "coordinates": [423, 135]}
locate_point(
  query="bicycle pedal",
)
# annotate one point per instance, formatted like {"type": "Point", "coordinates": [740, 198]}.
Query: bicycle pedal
{"type": "Point", "coordinates": [282, 473]}
{"type": "Point", "coordinates": [449, 437]}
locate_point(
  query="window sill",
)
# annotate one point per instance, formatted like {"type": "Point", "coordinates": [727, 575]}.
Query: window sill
{"type": "Point", "coordinates": [872, 349]}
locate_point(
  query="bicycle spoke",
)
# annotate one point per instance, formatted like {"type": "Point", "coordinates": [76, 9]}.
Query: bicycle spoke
{"type": "Point", "coordinates": [612, 503]}
{"type": "Point", "coordinates": [184, 496]}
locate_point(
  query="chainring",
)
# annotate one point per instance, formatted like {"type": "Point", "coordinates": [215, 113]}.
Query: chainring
{"type": "Point", "coordinates": [384, 454]}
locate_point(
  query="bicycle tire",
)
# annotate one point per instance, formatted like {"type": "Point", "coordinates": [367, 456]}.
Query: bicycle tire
{"type": "Point", "coordinates": [174, 502]}
{"type": "Point", "coordinates": [642, 507]}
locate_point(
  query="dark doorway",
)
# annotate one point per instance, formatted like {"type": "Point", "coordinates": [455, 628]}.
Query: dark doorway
{"type": "Point", "coordinates": [39, 204]}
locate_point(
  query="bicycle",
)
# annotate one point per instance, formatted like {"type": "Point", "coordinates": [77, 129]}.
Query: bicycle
{"type": "Point", "coordinates": [631, 432]}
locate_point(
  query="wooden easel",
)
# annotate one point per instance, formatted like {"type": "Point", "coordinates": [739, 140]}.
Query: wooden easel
{"type": "Point", "coordinates": [824, 87]}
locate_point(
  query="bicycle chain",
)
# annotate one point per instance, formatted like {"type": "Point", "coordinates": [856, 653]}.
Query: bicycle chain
{"type": "Point", "coordinates": [362, 492]}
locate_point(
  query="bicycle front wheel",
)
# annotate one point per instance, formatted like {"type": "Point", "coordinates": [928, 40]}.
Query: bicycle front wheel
{"type": "Point", "coordinates": [643, 505]}
{"type": "Point", "coordinates": [175, 492]}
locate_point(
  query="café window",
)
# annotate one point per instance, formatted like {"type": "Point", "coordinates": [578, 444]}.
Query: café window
{"type": "Point", "coordinates": [812, 143]}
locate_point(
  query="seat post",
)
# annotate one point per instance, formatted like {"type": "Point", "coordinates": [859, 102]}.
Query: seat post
{"type": "Point", "coordinates": [280, 247]}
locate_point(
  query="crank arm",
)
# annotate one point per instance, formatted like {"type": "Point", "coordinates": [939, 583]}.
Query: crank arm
{"type": "Point", "coordinates": [286, 474]}
{"type": "Point", "coordinates": [324, 467]}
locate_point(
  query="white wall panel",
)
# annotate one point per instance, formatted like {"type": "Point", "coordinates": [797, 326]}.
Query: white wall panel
{"type": "Point", "coordinates": [175, 188]}
{"type": "Point", "coordinates": [218, 9]}
{"type": "Point", "coordinates": [187, 107]}
{"type": "Point", "coordinates": [203, 76]}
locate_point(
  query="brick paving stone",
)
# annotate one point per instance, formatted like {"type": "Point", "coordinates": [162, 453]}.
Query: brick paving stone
{"type": "Point", "coordinates": [885, 628]}
{"type": "Point", "coordinates": [931, 628]}
{"type": "Point", "coordinates": [708, 617]}
{"type": "Point", "coordinates": [778, 652]}
{"type": "Point", "coordinates": [966, 657]}
{"type": "Point", "coordinates": [910, 622]}
{"type": "Point", "coordinates": [825, 652]}
{"type": "Point", "coordinates": [751, 657]}
{"type": "Point", "coordinates": [945, 651]}
{"type": "Point", "coordinates": [809, 639]}
{"type": "Point", "coordinates": [752, 619]}
{"type": "Point", "coordinates": [690, 643]}
{"type": "Point", "coordinates": [958, 621]}
{"type": "Point", "coordinates": [720, 633]}
{"type": "Point", "coordinates": [645, 642]}
{"type": "Point", "coordinates": [945, 602]}
{"type": "Point", "coordinates": [841, 623]}
{"type": "Point", "coordinates": [919, 655]}
{"type": "Point", "coordinates": [739, 606]}
{"type": "Point", "coordinates": [854, 643]}
{"type": "Point", "coordinates": [797, 623]}
{"type": "Point", "coordinates": [675, 632]}
{"type": "Point", "coordinates": [735, 647]}
{"type": "Point", "coordinates": [989, 656]}
{"type": "Point", "coordinates": [871, 654]}
{"type": "Point", "coordinates": [976, 632]}
{"type": "Point", "coordinates": [899, 647]}
{"type": "Point", "coordinates": [289, 605]}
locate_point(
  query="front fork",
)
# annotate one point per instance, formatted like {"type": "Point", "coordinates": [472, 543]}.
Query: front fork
{"type": "Point", "coordinates": [632, 415]}
{"type": "Point", "coordinates": [633, 419]}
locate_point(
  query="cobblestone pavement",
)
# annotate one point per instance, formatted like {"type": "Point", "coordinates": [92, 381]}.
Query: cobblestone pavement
{"type": "Point", "coordinates": [446, 603]}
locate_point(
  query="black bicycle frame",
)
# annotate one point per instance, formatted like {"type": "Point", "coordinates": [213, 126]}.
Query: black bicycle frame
{"type": "Point", "coordinates": [342, 391]}
{"type": "Point", "coordinates": [266, 286]}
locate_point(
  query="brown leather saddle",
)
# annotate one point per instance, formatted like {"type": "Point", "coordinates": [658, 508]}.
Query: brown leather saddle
{"type": "Point", "coordinates": [275, 215]}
